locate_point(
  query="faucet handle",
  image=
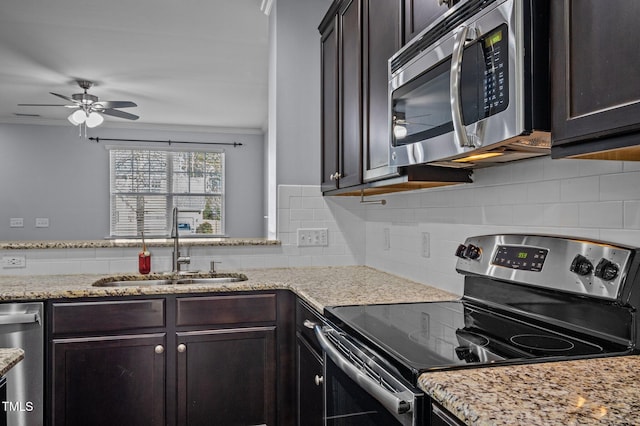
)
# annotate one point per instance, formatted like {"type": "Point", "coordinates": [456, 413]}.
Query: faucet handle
{"type": "Point", "coordinates": [213, 266]}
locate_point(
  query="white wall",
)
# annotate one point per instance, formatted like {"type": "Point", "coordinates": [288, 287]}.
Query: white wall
{"type": "Point", "coordinates": [48, 171]}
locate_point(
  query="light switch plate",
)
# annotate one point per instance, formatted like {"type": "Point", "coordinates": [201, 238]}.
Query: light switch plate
{"type": "Point", "coordinates": [313, 237]}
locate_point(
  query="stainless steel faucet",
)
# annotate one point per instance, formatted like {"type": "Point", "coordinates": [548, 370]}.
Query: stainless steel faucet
{"type": "Point", "coordinates": [177, 260]}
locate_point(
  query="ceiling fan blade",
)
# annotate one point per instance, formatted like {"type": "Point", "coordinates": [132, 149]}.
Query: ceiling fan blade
{"type": "Point", "coordinates": [120, 114]}
{"type": "Point", "coordinates": [44, 105]}
{"type": "Point", "coordinates": [114, 104]}
{"type": "Point", "coordinates": [66, 98]}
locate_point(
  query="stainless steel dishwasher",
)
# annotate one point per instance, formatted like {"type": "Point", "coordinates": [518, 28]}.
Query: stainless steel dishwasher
{"type": "Point", "coordinates": [21, 326]}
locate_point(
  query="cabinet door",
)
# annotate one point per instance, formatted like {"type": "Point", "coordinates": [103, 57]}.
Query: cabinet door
{"type": "Point", "coordinates": [116, 380]}
{"type": "Point", "coordinates": [382, 38]}
{"type": "Point", "coordinates": [419, 14]}
{"type": "Point", "coordinates": [329, 137]}
{"type": "Point", "coordinates": [310, 391]}
{"type": "Point", "coordinates": [350, 72]}
{"type": "Point", "coordinates": [595, 62]}
{"type": "Point", "coordinates": [227, 377]}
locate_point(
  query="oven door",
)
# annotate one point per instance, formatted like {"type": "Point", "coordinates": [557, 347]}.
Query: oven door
{"type": "Point", "coordinates": [359, 391]}
{"type": "Point", "coordinates": [460, 94]}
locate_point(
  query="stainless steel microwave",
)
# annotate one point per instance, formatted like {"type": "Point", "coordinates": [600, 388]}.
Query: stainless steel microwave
{"type": "Point", "coordinates": [473, 88]}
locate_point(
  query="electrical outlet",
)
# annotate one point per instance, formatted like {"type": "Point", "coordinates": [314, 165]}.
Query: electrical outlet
{"type": "Point", "coordinates": [16, 222]}
{"type": "Point", "coordinates": [312, 237]}
{"type": "Point", "coordinates": [14, 262]}
{"type": "Point", "coordinates": [42, 222]}
{"type": "Point", "coordinates": [426, 244]}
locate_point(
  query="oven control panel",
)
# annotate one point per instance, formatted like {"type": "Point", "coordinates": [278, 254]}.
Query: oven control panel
{"type": "Point", "coordinates": [572, 265]}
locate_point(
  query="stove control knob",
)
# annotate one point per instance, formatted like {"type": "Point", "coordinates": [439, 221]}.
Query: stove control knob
{"type": "Point", "coordinates": [581, 265]}
{"type": "Point", "coordinates": [473, 252]}
{"type": "Point", "coordinates": [460, 251]}
{"type": "Point", "coordinates": [606, 270]}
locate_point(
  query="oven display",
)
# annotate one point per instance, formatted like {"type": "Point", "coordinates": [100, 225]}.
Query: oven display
{"type": "Point", "coordinates": [520, 257]}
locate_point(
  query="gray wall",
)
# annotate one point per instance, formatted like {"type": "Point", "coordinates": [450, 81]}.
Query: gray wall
{"type": "Point", "coordinates": [298, 90]}
{"type": "Point", "coordinates": [48, 171]}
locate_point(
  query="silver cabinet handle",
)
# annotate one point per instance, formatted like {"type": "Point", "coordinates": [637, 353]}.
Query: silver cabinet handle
{"type": "Point", "coordinates": [159, 349]}
{"type": "Point", "coordinates": [454, 88]}
{"type": "Point", "coordinates": [395, 402]}
{"type": "Point", "coordinates": [309, 324]}
{"type": "Point", "coordinates": [182, 347]}
{"type": "Point", "coordinates": [318, 380]}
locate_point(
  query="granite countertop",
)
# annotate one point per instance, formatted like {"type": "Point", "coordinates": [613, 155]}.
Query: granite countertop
{"type": "Point", "coordinates": [9, 357]}
{"type": "Point", "coordinates": [319, 286]}
{"type": "Point", "coordinates": [153, 242]}
{"type": "Point", "coordinates": [601, 391]}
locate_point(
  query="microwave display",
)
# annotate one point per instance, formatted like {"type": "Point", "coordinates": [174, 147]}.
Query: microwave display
{"type": "Point", "coordinates": [422, 107]}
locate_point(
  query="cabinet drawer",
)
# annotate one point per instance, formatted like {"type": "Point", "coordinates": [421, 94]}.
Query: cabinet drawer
{"type": "Point", "coordinates": [303, 313]}
{"type": "Point", "coordinates": [83, 317]}
{"type": "Point", "coordinates": [221, 310]}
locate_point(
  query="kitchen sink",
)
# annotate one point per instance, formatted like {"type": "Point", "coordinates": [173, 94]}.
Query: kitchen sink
{"type": "Point", "coordinates": [175, 280]}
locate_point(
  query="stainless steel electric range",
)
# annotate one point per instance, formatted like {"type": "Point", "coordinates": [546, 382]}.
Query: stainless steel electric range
{"type": "Point", "coordinates": [527, 298]}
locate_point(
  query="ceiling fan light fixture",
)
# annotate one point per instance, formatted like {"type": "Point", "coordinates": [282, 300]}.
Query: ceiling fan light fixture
{"type": "Point", "coordinates": [77, 117]}
{"type": "Point", "coordinates": [94, 120]}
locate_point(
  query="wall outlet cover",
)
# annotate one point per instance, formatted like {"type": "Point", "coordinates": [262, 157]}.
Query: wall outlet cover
{"type": "Point", "coordinates": [14, 262]}
{"type": "Point", "coordinates": [16, 222]}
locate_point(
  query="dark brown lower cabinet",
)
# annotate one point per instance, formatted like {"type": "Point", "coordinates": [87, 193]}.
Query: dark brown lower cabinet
{"type": "Point", "coordinates": [227, 377]}
{"type": "Point", "coordinates": [309, 386]}
{"type": "Point", "coordinates": [211, 359]}
{"type": "Point", "coordinates": [113, 380]}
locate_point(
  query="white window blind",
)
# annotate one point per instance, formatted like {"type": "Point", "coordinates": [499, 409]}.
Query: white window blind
{"type": "Point", "coordinates": [146, 184]}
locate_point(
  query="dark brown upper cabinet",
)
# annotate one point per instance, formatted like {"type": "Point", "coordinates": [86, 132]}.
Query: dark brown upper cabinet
{"type": "Point", "coordinates": [341, 50]}
{"type": "Point", "coordinates": [382, 37]}
{"type": "Point", "coordinates": [595, 84]}
{"type": "Point", "coordinates": [419, 14]}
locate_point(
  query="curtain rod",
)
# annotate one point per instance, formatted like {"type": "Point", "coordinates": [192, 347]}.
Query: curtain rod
{"type": "Point", "coordinates": [234, 144]}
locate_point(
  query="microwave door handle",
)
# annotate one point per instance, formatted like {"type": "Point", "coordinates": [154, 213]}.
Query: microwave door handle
{"type": "Point", "coordinates": [455, 92]}
{"type": "Point", "coordinates": [389, 400]}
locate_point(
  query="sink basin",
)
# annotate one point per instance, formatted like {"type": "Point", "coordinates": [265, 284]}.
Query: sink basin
{"type": "Point", "coordinates": [221, 279]}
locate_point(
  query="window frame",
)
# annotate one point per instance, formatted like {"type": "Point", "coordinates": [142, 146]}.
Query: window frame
{"type": "Point", "coordinates": [169, 195]}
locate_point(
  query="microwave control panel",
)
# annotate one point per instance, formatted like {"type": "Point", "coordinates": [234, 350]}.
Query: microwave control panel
{"type": "Point", "coordinates": [496, 74]}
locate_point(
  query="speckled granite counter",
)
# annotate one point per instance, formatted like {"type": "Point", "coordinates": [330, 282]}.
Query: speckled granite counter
{"type": "Point", "coordinates": [9, 357]}
{"type": "Point", "coordinates": [319, 286]}
{"type": "Point", "coordinates": [85, 244]}
{"type": "Point", "coordinates": [603, 391]}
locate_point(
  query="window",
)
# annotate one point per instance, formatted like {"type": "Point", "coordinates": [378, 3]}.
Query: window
{"type": "Point", "coordinates": [147, 184]}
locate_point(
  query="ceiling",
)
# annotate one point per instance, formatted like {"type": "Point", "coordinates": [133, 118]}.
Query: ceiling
{"type": "Point", "coordinates": [189, 62]}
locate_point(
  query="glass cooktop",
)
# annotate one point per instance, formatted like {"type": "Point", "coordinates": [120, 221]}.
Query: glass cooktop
{"type": "Point", "coordinates": [439, 335]}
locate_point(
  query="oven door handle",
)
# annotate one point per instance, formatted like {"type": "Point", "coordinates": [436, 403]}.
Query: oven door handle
{"type": "Point", "coordinates": [455, 91]}
{"type": "Point", "coordinates": [388, 399]}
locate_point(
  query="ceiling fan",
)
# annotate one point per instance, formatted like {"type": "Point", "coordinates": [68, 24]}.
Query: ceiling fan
{"type": "Point", "coordinates": [89, 107]}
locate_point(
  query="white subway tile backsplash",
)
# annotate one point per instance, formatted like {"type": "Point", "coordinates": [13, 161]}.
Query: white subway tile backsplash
{"type": "Point", "coordinates": [580, 189]}
{"type": "Point", "coordinates": [621, 186]}
{"type": "Point", "coordinates": [543, 192]}
{"type": "Point", "coordinates": [560, 169]}
{"type": "Point", "coordinates": [632, 215]}
{"type": "Point", "coordinates": [601, 215]}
